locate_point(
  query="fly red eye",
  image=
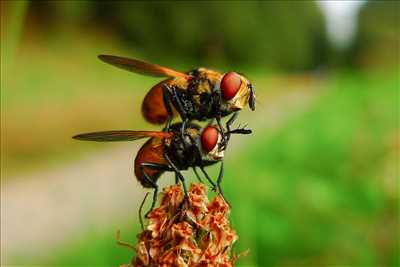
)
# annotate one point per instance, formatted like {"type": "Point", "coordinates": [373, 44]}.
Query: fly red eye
{"type": "Point", "coordinates": [209, 138]}
{"type": "Point", "coordinates": [230, 85]}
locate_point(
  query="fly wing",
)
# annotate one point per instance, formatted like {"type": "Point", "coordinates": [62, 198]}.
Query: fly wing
{"type": "Point", "coordinates": [141, 67]}
{"type": "Point", "coordinates": [123, 135]}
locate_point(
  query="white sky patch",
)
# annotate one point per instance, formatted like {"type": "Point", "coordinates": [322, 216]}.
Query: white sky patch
{"type": "Point", "coordinates": [341, 20]}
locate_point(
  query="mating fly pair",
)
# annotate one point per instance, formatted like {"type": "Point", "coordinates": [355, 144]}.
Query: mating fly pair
{"type": "Point", "coordinates": [200, 94]}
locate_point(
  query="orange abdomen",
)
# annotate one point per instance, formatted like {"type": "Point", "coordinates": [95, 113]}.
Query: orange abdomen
{"type": "Point", "coordinates": [153, 108]}
{"type": "Point", "coordinates": [151, 152]}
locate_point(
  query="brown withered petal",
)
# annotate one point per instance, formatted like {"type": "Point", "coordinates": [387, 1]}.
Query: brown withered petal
{"type": "Point", "coordinates": [172, 197]}
{"type": "Point", "coordinates": [181, 230]}
{"type": "Point", "coordinates": [218, 206]}
{"type": "Point", "coordinates": [158, 220]}
{"type": "Point", "coordinates": [142, 252]}
{"type": "Point", "coordinates": [181, 262]}
{"type": "Point", "coordinates": [156, 249]}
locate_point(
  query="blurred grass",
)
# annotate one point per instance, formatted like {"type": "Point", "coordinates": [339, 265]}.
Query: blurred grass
{"type": "Point", "coordinates": [11, 26]}
{"type": "Point", "coordinates": [318, 192]}
{"type": "Point", "coordinates": [322, 191]}
{"type": "Point", "coordinates": [94, 248]}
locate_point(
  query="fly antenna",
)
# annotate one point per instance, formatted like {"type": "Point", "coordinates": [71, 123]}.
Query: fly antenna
{"type": "Point", "coordinates": [239, 130]}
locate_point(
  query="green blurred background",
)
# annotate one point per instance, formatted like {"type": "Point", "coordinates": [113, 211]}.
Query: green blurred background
{"type": "Point", "coordinates": [317, 184]}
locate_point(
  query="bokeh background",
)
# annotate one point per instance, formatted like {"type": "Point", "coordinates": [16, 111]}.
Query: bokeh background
{"type": "Point", "coordinates": [315, 185]}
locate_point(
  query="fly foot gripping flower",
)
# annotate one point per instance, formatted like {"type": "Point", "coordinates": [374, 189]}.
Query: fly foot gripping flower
{"type": "Point", "coordinates": [180, 235]}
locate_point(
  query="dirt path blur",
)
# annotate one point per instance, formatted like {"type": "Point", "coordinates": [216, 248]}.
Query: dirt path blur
{"type": "Point", "coordinates": [44, 209]}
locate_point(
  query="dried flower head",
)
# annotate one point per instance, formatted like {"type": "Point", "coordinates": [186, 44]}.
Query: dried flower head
{"type": "Point", "coordinates": [182, 234]}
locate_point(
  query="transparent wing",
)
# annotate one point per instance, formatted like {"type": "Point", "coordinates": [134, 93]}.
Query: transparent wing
{"type": "Point", "coordinates": [141, 67]}
{"type": "Point", "coordinates": [123, 135]}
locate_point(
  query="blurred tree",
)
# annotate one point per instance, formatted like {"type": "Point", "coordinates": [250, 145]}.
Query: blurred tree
{"type": "Point", "coordinates": [286, 35]}
{"type": "Point", "coordinates": [378, 37]}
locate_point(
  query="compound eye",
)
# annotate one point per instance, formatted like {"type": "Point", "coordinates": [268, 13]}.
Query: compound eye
{"type": "Point", "coordinates": [209, 138]}
{"type": "Point", "coordinates": [230, 85]}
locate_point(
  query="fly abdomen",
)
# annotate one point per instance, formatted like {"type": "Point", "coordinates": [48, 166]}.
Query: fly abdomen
{"type": "Point", "coordinates": [151, 153]}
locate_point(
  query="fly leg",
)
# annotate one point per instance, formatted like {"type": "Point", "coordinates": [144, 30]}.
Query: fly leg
{"type": "Point", "coordinates": [183, 126]}
{"type": "Point", "coordinates": [219, 180]}
{"type": "Point", "coordinates": [155, 187]}
{"type": "Point", "coordinates": [217, 98]}
{"type": "Point", "coordinates": [200, 164]}
{"type": "Point", "coordinates": [179, 174]}
{"type": "Point", "coordinates": [182, 111]}
{"type": "Point", "coordinates": [197, 175]}
{"type": "Point", "coordinates": [208, 178]}
{"type": "Point", "coordinates": [167, 104]}
{"type": "Point", "coordinates": [180, 106]}
{"type": "Point", "coordinates": [231, 120]}
{"type": "Point", "coordinates": [229, 124]}
{"type": "Point", "coordinates": [140, 211]}
{"type": "Point", "coordinates": [153, 184]}
{"type": "Point", "coordinates": [176, 179]}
